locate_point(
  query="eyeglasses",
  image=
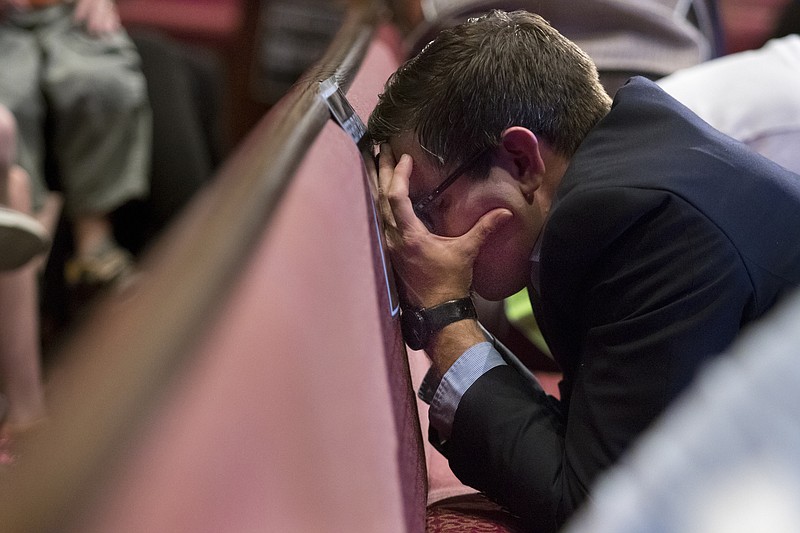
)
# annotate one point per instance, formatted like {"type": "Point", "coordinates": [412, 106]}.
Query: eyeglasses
{"type": "Point", "coordinates": [420, 207]}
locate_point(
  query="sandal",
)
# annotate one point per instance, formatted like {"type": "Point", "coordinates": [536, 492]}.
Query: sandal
{"type": "Point", "coordinates": [22, 238]}
{"type": "Point", "coordinates": [108, 265]}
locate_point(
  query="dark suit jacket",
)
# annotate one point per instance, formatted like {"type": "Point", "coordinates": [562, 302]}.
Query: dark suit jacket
{"type": "Point", "coordinates": [666, 238]}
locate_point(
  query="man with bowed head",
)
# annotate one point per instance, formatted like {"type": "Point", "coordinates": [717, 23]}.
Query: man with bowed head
{"type": "Point", "coordinates": [648, 240]}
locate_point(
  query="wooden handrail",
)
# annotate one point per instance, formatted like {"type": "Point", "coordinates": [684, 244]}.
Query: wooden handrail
{"type": "Point", "coordinates": [121, 361]}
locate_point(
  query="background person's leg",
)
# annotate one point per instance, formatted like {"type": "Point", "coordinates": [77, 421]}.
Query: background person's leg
{"type": "Point", "coordinates": [21, 236]}
{"type": "Point", "coordinates": [20, 361]}
{"type": "Point", "coordinates": [101, 139]}
{"type": "Point", "coordinates": [20, 365]}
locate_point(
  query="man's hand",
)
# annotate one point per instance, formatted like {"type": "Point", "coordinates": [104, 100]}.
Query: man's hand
{"type": "Point", "coordinates": [431, 269]}
{"type": "Point", "coordinates": [99, 17]}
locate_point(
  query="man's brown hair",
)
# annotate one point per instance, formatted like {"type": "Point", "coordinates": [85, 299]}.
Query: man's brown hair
{"type": "Point", "coordinates": [476, 79]}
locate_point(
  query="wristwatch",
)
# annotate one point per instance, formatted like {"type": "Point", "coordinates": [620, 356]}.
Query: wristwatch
{"type": "Point", "coordinates": [419, 325]}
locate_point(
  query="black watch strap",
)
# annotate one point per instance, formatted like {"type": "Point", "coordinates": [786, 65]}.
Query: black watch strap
{"type": "Point", "coordinates": [419, 325]}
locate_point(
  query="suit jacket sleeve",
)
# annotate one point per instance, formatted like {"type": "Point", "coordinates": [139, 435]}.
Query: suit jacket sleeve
{"type": "Point", "coordinates": [635, 302]}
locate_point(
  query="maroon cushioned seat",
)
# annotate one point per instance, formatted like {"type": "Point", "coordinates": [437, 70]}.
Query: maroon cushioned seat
{"type": "Point", "coordinates": [470, 512]}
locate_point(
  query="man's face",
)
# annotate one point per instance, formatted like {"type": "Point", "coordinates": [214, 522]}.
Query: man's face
{"type": "Point", "coordinates": [502, 267]}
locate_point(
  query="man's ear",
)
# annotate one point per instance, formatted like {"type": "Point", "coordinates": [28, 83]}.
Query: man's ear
{"type": "Point", "coordinates": [520, 154]}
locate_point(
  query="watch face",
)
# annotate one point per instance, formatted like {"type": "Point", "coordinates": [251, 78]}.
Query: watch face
{"type": "Point", "coordinates": [412, 325]}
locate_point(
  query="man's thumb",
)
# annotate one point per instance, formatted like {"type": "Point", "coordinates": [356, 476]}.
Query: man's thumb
{"type": "Point", "coordinates": [489, 223]}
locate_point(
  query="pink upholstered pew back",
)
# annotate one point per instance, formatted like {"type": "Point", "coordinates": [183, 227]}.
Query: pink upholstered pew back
{"type": "Point", "coordinates": [284, 403]}
{"type": "Point", "coordinates": [297, 413]}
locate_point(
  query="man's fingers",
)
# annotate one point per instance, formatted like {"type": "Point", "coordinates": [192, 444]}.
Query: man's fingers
{"type": "Point", "coordinates": [393, 188]}
{"type": "Point", "coordinates": [397, 195]}
{"type": "Point", "coordinates": [386, 164]}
